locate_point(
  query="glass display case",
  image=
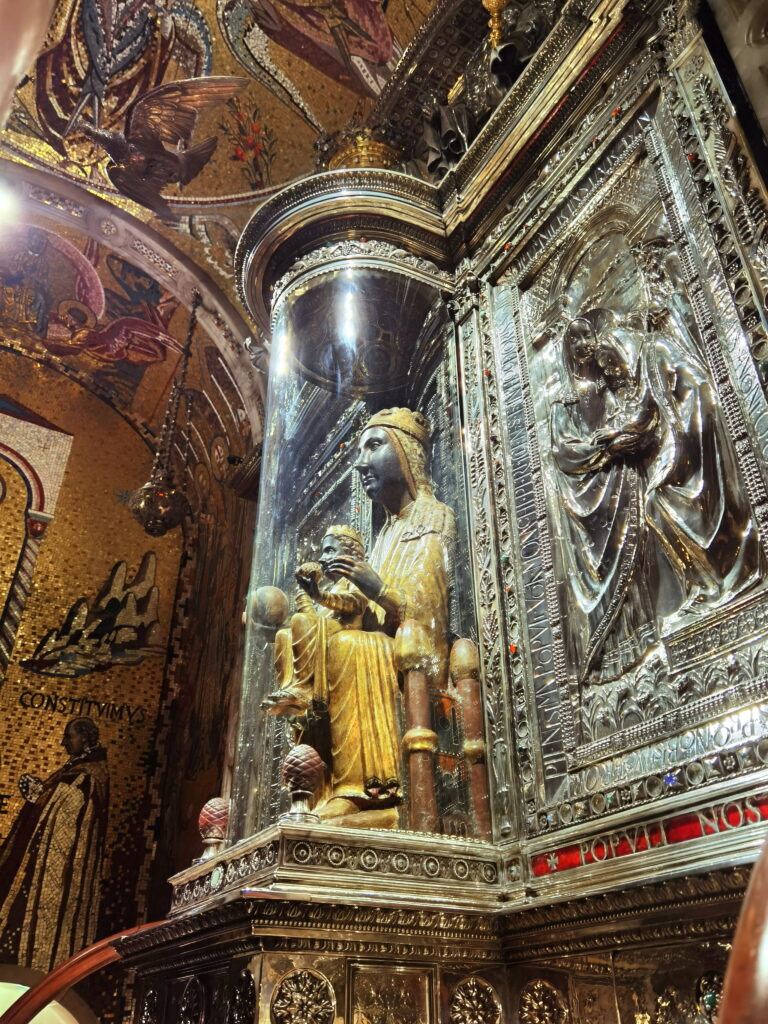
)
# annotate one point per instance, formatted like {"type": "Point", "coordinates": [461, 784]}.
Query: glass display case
{"type": "Point", "coordinates": [357, 334]}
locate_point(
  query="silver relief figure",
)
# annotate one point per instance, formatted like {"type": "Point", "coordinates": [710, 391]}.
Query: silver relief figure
{"type": "Point", "coordinates": [655, 524]}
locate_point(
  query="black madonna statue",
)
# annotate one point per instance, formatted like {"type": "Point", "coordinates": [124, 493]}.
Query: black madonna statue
{"type": "Point", "coordinates": [656, 522]}
{"type": "Point", "coordinates": [343, 653]}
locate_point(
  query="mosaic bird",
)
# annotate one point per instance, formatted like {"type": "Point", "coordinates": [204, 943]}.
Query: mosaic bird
{"type": "Point", "coordinates": [142, 164]}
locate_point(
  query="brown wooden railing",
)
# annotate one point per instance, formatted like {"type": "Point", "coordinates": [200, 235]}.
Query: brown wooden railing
{"type": "Point", "coordinates": [745, 990]}
{"type": "Point", "coordinates": [63, 977]}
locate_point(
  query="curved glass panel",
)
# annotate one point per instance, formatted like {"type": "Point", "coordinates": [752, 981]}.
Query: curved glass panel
{"type": "Point", "coordinates": [324, 664]}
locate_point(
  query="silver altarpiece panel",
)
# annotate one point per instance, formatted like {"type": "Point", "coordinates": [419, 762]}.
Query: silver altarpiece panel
{"type": "Point", "coordinates": [627, 345]}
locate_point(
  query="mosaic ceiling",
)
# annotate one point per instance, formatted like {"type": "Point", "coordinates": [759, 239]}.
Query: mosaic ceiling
{"type": "Point", "coordinates": [79, 307]}
{"type": "Point", "coordinates": [303, 69]}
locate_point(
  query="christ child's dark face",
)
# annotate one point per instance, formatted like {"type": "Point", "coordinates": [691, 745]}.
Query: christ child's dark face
{"type": "Point", "coordinates": [329, 550]}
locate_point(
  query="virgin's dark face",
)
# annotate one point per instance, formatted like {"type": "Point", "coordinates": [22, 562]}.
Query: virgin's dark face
{"type": "Point", "coordinates": [379, 467]}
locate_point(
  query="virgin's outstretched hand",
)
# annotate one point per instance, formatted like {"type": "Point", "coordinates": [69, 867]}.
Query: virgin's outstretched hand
{"type": "Point", "coordinates": [358, 572]}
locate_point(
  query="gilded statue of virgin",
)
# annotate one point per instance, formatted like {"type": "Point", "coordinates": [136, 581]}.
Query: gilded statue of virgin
{"type": "Point", "coordinates": [350, 664]}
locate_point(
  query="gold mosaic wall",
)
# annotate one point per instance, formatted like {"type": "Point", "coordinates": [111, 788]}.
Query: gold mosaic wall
{"type": "Point", "coordinates": [91, 532]}
{"type": "Point", "coordinates": [142, 636]}
{"type": "Point", "coordinates": [308, 68]}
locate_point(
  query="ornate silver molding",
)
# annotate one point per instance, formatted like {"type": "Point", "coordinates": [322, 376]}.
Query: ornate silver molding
{"type": "Point", "coordinates": [541, 633]}
{"type": "Point", "coordinates": [564, 37]}
{"type": "Point", "coordinates": [399, 864]}
{"type": "Point", "coordinates": [303, 216]}
{"type": "Point", "coordinates": [563, 174]}
{"type": "Point", "coordinates": [371, 254]}
{"type": "Point", "coordinates": [724, 180]}
{"type": "Point", "coordinates": [754, 479]}
{"type": "Point", "coordinates": [444, 41]}
{"type": "Point", "coordinates": [487, 488]}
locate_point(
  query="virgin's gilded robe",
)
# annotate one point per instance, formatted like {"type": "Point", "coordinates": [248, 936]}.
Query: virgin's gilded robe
{"type": "Point", "coordinates": [347, 660]}
{"type": "Point", "coordinates": [412, 555]}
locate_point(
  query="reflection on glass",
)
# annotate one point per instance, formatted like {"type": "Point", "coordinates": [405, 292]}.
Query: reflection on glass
{"type": "Point", "coordinates": [352, 541]}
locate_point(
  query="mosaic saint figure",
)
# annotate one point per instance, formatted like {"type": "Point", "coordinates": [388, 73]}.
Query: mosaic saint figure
{"type": "Point", "coordinates": [347, 40]}
{"type": "Point", "coordinates": [407, 577]}
{"type": "Point", "coordinates": [656, 521]}
{"type": "Point", "coordinates": [50, 864]}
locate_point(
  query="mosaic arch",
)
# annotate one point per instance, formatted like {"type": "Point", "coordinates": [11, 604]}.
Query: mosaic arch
{"type": "Point", "coordinates": [84, 222]}
{"type": "Point", "coordinates": [93, 318]}
{"type": "Point", "coordinates": [38, 452]}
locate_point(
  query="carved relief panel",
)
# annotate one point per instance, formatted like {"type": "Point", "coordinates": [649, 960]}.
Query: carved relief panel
{"type": "Point", "coordinates": [633, 410]}
{"type": "Point", "coordinates": [652, 534]}
{"type": "Point", "coordinates": [379, 993]}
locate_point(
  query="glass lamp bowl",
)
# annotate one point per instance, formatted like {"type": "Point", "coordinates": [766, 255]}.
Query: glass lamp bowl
{"type": "Point", "coordinates": [158, 507]}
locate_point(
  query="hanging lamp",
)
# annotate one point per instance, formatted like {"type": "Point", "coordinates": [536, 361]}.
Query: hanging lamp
{"type": "Point", "coordinates": [160, 506]}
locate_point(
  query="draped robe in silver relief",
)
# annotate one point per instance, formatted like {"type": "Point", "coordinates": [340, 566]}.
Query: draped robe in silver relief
{"type": "Point", "coordinates": [654, 517]}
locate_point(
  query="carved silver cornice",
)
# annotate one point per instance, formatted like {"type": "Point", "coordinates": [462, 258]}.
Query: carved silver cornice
{"type": "Point", "coordinates": [703, 905]}
{"type": "Point", "coordinates": [387, 866]}
{"type": "Point", "coordinates": [373, 255]}
{"type": "Point", "coordinates": [248, 923]}
{"type": "Point", "coordinates": [580, 169]}
{"type": "Point", "coordinates": [682, 908]}
{"type": "Point", "coordinates": [554, 83]}
{"type": "Point", "coordinates": [329, 207]}
{"type": "Point", "coordinates": [450, 35]}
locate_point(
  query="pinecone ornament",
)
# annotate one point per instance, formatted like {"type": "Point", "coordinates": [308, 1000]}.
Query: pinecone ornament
{"type": "Point", "coordinates": [214, 818]}
{"type": "Point", "coordinates": [213, 822]}
{"type": "Point", "coordinates": [302, 772]}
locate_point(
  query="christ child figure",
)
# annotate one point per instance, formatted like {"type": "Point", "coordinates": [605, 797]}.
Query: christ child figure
{"type": "Point", "coordinates": [327, 603]}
